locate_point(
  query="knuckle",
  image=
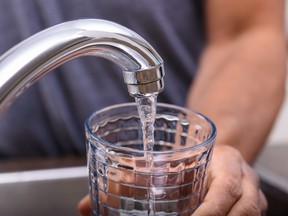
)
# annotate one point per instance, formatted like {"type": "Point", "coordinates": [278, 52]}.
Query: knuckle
{"type": "Point", "coordinates": [218, 211]}
{"type": "Point", "coordinates": [251, 209]}
{"type": "Point", "coordinates": [233, 151]}
{"type": "Point", "coordinates": [252, 173]}
{"type": "Point", "coordinates": [232, 189]}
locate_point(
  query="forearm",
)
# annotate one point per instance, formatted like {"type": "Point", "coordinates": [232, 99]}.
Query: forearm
{"type": "Point", "coordinates": [240, 86]}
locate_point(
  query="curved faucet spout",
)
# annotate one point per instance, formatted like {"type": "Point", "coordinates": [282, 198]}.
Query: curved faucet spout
{"type": "Point", "coordinates": [25, 63]}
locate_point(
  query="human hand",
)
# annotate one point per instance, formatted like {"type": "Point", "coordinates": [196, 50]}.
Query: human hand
{"type": "Point", "coordinates": [234, 186]}
{"type": "Point", "coordinates": [84, 206]}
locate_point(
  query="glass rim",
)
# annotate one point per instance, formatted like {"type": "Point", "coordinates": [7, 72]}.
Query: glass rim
{"type": "Point", "coordinates": [175, 107]}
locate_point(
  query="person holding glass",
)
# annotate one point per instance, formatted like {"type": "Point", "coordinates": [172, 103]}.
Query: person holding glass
{"type": "Point", "coordinates": [225, 59]}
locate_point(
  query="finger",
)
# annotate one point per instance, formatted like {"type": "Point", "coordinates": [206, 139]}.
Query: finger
{"type": "Point", "coordinates": [225, 188]}
{"type": "Point", "coordinates": [84, 206]}
{"type": "Point", "coordinates": [250, 201]}
{"type": "Point", "coordinates": [263, 203]}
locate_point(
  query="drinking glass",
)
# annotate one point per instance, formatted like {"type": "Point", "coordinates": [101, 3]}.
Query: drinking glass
{"type": "Point", "coordinates": [124, 179]}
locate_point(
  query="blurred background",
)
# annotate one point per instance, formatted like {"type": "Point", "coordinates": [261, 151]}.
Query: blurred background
{"type": "Point", "coordinates": [272, 164]}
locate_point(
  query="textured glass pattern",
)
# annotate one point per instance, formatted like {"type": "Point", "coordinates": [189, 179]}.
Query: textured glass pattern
{"type": "Point", "coordinates": [120, 181]}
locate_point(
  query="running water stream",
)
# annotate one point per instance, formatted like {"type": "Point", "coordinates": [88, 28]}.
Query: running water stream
{"type": "Point", "coordinates": [147, 113]}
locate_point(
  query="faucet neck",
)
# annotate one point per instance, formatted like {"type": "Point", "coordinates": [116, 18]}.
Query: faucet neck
{"type": "Point", "coordinates": [25, 63]}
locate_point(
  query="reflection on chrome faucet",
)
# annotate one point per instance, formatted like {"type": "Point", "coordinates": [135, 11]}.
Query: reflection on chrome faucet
{"type": "Point", "coordinates": [25, 63]}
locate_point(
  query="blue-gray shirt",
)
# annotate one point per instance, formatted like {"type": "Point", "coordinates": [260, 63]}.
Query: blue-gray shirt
{"type": "Point", "coordinates": [47, 120]}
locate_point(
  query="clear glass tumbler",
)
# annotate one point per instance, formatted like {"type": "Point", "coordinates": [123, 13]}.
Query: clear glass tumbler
{"type": "Point", "coordinates": [126, 180]}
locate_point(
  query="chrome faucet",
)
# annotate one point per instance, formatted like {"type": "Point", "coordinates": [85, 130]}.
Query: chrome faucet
{"type": "Point", "coordinates": [25, 63]}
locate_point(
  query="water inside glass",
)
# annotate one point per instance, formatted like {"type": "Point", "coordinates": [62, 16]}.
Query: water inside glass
{"type": "Point", "coordinates": [123, 182]}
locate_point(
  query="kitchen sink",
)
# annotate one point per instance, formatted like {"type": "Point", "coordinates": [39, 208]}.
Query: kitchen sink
{"type": "Point", "coordinates": [42, 192]}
